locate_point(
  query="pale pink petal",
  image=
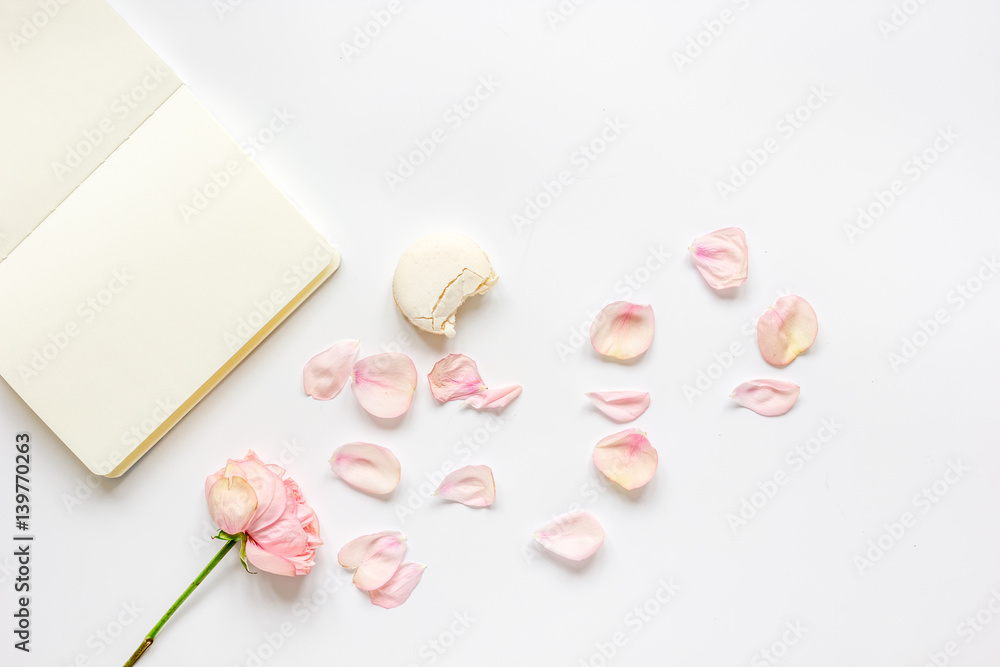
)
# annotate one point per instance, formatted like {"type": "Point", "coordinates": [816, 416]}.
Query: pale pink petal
{"type": "Point", "coordinates": [268, 561]}
{"type": "Point", "coordinates": [367, 467]}
{"type": "Point", "coordinates": [767, 397]}
{"type": "Point", "coordinates": [353, 554]}
{"type": "Point", "coordinates": [721, 257]}
{"type": "Point", "coordinates": [455, 376]}
{"type": "Point", "coordinates": [397, 590]}
{"type": "Point", "coordinates": [786, 330]}
{"type": "Point", "coordinates": [575, 536]}
{"type": "Point", "coordinates": [384, 384]}
{"type": "Point", "coordinates": [494, 398]}
{"type": "Point", "coordinates": [623, 330]}
{"type": "Point", "coordinates": [471, 485]}
{"type": "Point", "coordinates": [272, 500]}
{"type": "Point", "coordinates": [376, 557]}
{"type": "Point", "coordinates": [620, 406]}
{"type": "Point", "coordinates": [232, 502]}
{"type": "Point", "coordinates": [326, 374]}
{"type": "Point", "coordinates": [627, 458]}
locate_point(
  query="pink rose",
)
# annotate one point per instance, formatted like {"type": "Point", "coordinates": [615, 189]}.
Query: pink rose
{"type": "Point", "coordinates": [279, 531]}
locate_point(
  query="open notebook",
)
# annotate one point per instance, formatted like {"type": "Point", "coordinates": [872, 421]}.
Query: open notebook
{"type": "Point", "coordinates": [142, 253]}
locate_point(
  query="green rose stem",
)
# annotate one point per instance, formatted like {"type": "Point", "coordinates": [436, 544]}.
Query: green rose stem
{"type": "Point", "coordinates": [231, 541]}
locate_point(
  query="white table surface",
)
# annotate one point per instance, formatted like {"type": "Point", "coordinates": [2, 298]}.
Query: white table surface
{"type": "Point", "coordinates": [111, 555]}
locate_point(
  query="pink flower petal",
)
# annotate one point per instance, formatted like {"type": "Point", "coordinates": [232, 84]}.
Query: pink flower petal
{"type": "Point", "coordinates": [367, 467]}
{"type": "Point", "coordinates": [767, 397]}
{"type": "Point", "coordinates": [472, 486]}
{"type": "Point", "coordinates": [397, 590]}
{"type": "Point", "coordinates": [384, 384]}
{"type": "Point", "coordinates": [326, 374]}
{"type": "Point", "coordinates": [267, 561]}
{"type": "Point", "coordinates": [627, 458]}
{"type": "Point", "coordinates": [232, 503]}
{"type": "Point", "coordinates": [620, 406]}
{"type": "Point", "coordinates": [494, 398]}
{"type": "Point", "coordinates": [455, 376]}
{"type": "Point", "coordinates": [623, 330]}
{"type": "Point", "coordinates": [376, 558]}
{"type": "Point", "coordinates": [786, 330]}
{"type": "Point", "coordinates": [575, 536]}
{"type": "Point", "coordinates": [721, 257]}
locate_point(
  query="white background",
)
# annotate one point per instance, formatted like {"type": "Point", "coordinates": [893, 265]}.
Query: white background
{"type": "Point", "coordinates": [105, 545]}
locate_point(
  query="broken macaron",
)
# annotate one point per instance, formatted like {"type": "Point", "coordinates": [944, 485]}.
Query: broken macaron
{"type": "Point", "coordinates": [435, 276]}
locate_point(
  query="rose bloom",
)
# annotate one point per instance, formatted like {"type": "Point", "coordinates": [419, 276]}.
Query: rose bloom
{"type": "Point", "coordinates": [280, 532]}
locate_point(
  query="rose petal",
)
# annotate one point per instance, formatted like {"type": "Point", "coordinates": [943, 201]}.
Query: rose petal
{"type": "Point", "coordinates": [272, 498]}
{"type": "Point", "coordinates": [620, 406]}
{"type": "Point", "coordinates": [267, 561]}
{"type": "Point", "coordinates": [326, 374]}
{"type": "Point", "coordinates": [786, 330]}
{"type": "Point", "coordinates": [397, 590]}
{"type": "Point", "coordinates": [375, 557]}
{"type": "Point", "coordinates": [353, 554]}
{"type": "Point", "coordinates": [721, 257]}
{"type": "Point", "coordinates": [494, 398]}
{"type": "Point", "coordinates": [232, 502]}
{"type": "Point", "coordinates": [384, 384]}
{"type": "Point", "coordinates": [627, 458]}
{"type": "Point", "coordinates": [575, 536]}
{"type": "Point", "coordinates": [472, 486]}
{"type": "Point", "coordinates": [767, 397]}
{"type": "Point", "coordinates": [367, 467]}
{"type": "Point", "coordinates": [455, 376]}
{"type": "Point", "coordinates": [623, 330]}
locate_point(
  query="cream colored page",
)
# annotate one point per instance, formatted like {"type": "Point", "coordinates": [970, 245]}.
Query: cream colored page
{"type": "Point", "coordinates": [75, 82]}
{"type": "Point", "coordinates": [146, 280]}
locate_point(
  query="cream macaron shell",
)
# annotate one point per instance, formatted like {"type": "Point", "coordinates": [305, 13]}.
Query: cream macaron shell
{"type": "Point", "coordinates": [435, 276]}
